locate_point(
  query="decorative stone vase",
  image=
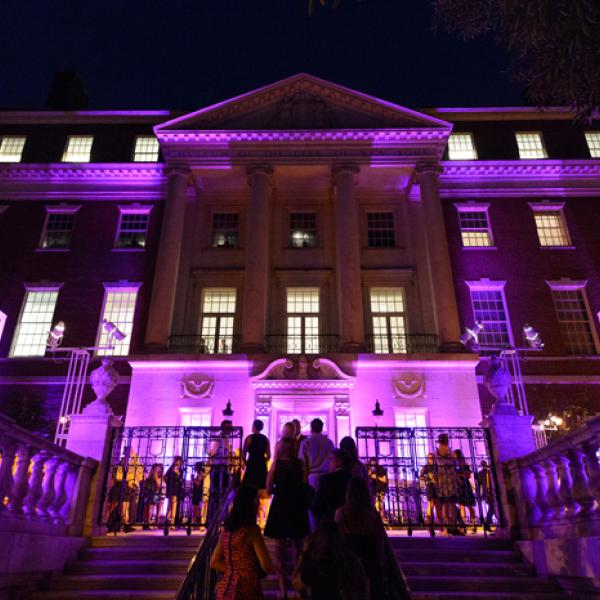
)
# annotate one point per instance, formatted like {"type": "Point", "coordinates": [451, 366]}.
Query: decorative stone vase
{"type": "Point", "coordinates": [103, 380]}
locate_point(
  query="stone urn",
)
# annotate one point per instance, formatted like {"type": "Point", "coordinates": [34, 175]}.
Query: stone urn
{"type": "Point", "coordinates": [103, 380]}
{"type": "Point", "coordinates": [498, 380]}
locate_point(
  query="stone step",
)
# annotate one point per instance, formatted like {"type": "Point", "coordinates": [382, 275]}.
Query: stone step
{"type": "Point", "coordinates": [457, 555]}
{"type": "Point", "coordinates": [481, 584]}
{"type": "Point", "coordinates": [113, 567]}
{"type": "Point", "coordinates": [116, 582]}
{"type": "Point", "coordinates": [142, 553]}
{"type": "Point", "coordinates": [467, 569]}
{"type": "Point", "coordinates": [464, 595]}
{"type": "Point", "coordinates": [465, 542]}
{"type": "Point", "coordinates": [124, 594]}
{"type": "Point", "coordinates": [133, 541]}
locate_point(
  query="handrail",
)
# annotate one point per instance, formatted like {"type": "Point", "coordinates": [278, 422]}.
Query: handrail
{"type": "Point", "coordinates": [199, 579]}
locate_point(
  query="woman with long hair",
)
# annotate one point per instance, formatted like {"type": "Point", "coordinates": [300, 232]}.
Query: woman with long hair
{"type": "Point", "coordinates": [358, 469]}
{"type": "Point", "coordinates": [288, 515]}
{"type": "Point", "coordinates": [241, 554]}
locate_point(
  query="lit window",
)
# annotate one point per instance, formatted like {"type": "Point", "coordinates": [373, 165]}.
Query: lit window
{"type": "Point", "coordinates": [35, 322]}
{"type": "Point", "coordinates": [58, 229]}
{"type": "Point", "coordinates": [593, 141]}
{"type": "Point", "coordinates": [225, 230]}
{"type": "Point", "coordinates": [119, 309]}
{"type": "Point", "coordinates": [302, 320]}
{"type": "Point", "coordinates": [474, 225]}
{"type": "Point", "coordinates": [146, 149]}
{"type": "Point", "coordinates": [78, 148]}
{"type": "Point", "coordinates": [218, 313]}
{"type": "Point", "coordinates": [412, 418]}
{"type": "Point", "coordinates": [461, 147]}
{"type": "Point", "coordinates": [389, 325]}
{"type": "Point", "coordinates": [531, 145]}
{"type": "Point", "coordinates": [489, 307]}
{"type": "Point", "coordinates": [380, 230]}
{"type": "Point", "coordinates": [133, 228]}
{"type": "Point", "coordinates": [573, 318]}
{"type": "Point", "coordinates": [551, 225]}
{"type": "Point", "coordinates": [11, 148]}
{"type": "Point", "coordinates": [303, 230]}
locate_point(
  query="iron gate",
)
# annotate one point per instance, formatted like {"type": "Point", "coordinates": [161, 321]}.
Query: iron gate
{"type": "Point", "coordinates": [412, 488]}
{"type": "Point", "coordinates": [169, 477]}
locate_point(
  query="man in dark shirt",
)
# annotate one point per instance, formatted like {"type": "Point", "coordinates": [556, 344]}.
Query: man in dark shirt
{"type": "Point", "coordinates": [333, 486]}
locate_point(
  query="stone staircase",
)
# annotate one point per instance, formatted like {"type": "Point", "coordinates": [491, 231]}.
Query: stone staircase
{"type": "Point", "coordinates": [470, 568]}
{"type": "Point", "coordinates": [153, 567]}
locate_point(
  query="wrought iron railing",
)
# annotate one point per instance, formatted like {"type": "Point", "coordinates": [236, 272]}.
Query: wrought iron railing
{"type": "Point", "coordinates": [412, 490]}
{"type": "Point", "coordinates": [142, 491]}
{"type": "Point", "coordinates": [198, 344]}
{"type": "Point", "coordinates": [306, 344]}
{"type": "Point", "coordinates": [406, 343]}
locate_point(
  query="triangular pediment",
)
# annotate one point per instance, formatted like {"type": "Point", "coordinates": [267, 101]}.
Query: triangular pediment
{"type": "Point", "coordinates": [302, 102]}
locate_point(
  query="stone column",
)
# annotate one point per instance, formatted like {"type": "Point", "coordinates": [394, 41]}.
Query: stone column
{"type": "Point", "coordinates": [440, 268]}
{"type": "Point", "coordinates": [347, 265]}
{"type": "Point", "coordinates": [256, 280]}
{"type": "Point", "coordinates": [160, 314]}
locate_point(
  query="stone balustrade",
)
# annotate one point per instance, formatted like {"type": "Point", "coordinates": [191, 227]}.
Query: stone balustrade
{"type": "Point", "coordinates": [556, 489]}
{"type": "Point", "coordinates": [43, 487]}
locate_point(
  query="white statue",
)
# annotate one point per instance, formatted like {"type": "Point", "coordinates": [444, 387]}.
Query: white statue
{"type": "Point", "coordinates": [103, 380]}
{"type": "Point", "coordinates": [497, 380]}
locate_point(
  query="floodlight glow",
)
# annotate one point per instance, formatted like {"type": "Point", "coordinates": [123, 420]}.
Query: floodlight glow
{"type": "Point", "coordinates": [471, 335]}
{"type": "Point", "coordinates": [533, 338]}
{"type": "Point", "coordinates": [113, 332]}
{"type": "Point", "coordinates": [55, 337]}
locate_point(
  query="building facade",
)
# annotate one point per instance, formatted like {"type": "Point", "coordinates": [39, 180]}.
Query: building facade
{"type": "Point", "coordinates": [300, 250]}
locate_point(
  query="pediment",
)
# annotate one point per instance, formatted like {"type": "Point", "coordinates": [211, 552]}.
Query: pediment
{"type": "Point", "coordinates": [302, 102]}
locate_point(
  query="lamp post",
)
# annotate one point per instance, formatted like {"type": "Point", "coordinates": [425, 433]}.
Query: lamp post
{"type": "Point", "coordinates": [79, 360]}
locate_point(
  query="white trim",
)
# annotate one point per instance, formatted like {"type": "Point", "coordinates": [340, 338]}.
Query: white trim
{"type": "Point", "coordinates": [56, 209]}
{"type": "Point", "coordinates": [481, 207]}
{"type": "Point", "coordinates": [557, 207]}
{"type": "Point", "coordinates": [472, 206]}
{"type": "Point", "coordinates": [135, 209]}
{"type": "Point", "coordinates": [566, 285]}
{"type": "Point", "coordinates": [43, 286]}
{"type": "Point", "coordinates": [486, 284]}
{"type": "Point", "coordinates": [546, 205]}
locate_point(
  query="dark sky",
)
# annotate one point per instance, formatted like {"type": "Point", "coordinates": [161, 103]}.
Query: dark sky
{"type": "Point", "coordinates": [185, 54]}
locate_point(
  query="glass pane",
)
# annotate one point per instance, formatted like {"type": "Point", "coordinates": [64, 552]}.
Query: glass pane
{"type": "Point", "coordinates": [119, 309]}
{"type": "Point", "coordinates": [35, 323]}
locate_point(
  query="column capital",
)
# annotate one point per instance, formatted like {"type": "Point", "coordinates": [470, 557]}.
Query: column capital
{"type": "Point", "coordinates": [251, 170]}
{"type": "Point", "coordinates": [424, 168]}
{"type": "Point", "coordinates": [339, 168]}
{"type": "Point", "coordinates": [177, 171]}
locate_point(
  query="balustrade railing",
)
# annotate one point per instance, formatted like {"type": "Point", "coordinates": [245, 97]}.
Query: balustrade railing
{"type": "Point", "coordinates": [198, 344]}
{"type": "Point", "coordinates": [42, 482]}
{"type": "Point", "coordinates": [406, 343]}
{"type": "Point", "coordinates": [323, 343]}
{"type": "Point", "coordinates": [557, 488]}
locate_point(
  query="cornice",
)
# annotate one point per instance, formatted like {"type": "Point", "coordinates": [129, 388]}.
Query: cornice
{"type": "Point", "coordinates": [302, 384]}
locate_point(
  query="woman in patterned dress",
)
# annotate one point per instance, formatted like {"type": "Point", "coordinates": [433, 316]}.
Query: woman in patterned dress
{"type": "Point", "coordinates": [241, 554]}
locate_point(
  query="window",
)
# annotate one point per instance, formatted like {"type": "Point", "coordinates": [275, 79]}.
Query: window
{"type": "Point", "coordinates": [474, 225]}
{"type": "Point", "coordinates": [593, 141]}
{"type": "Point", "coordinates": [489, 307]}
{"type": "Point", "coordinates": [58, 228]}
{"type": "Point", "coordinates": [11, 148]}
{"type": "Point", "coordinates": [531, 145]}
{"type": "Point", "coordinates": [35, 321]}
{"type": "Point", "coordinates": [78, 148]}
{"type": "Point", "coordinates": [225, 230]}
{"type": "Point", "coordinates": [2, 323]}
{"type": "Point", "coordinates": [302, 320]}
{"type": "Point", "coordinates": [413, 418]}
{"type": "Point", "coordinates": [380, 230]}
{"type": "Point", "coordinates": [303, 230]}
{"type": "Point", "coordinates": [119, 309]}
{"type": "Point", "coordinates": [389, 325]}
{"type": "Point", "coordinates": [461, 147]}
{"type": "Point", "coordinates": [218, 313]}
{"type": "Point", "coordinates": [573, 317]}
{"type": "Point", "coordinates": [551, 224]}
{"type": "Point", "coordinates": [146, 149]}
{"type": "Point", "coordinates": [133, 228]}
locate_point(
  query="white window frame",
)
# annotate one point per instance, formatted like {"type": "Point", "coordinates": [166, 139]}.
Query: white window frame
{"type": "Point", "coordinates": [131, 209]}
{"type": "Point", "coordinates": [56, 210]}
{"type": "Point", "coordinates": [592, 139]}
{"type": "Point", "coordinates": [557, 207]}
{"type": "Point", "coordinates": [390, 347]}
{"type": "Point", "coordinates": [482, 207]}
{"type": "Point", "coordinates": [34, 287]}
{"type": "Point", "coordinates": [213, 340]}
{"type": "Point", "coordinates": [141, 155]}
{"type": "Point", "coordinates": [3, 318]}
{"type": "Point", "coordinates": [306, 339]}
{"type": "Point", "coordinates": [116, 287]}
{"type": "Point", "coordinates": [572, 285]}
{"type": "Point", "coordinates": [543, 153]}
{"type": "Point", "coordinates": [465, 153]}
{"type": "Point", "coordinates": [15, 156]}
{"type": "Point", "coordinates": [78, 156]}
{"type": "Point", "coordinates": [488, 285]}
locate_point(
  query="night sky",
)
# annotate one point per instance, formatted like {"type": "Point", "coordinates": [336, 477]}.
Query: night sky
{"type": "Point", "coordinates": [185, 54]}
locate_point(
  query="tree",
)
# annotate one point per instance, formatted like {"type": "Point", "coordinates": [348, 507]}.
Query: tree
{"type": "Point", "coordinates": [554, 45]}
